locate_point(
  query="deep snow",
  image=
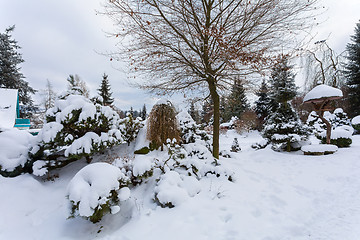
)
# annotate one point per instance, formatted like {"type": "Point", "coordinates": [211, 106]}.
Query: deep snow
{"type": "Point", "coordinates": [276, 196]}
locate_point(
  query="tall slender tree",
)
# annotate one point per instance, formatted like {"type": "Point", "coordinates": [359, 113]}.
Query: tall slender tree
{"type": "Point", "coordinates": [49, 95]}
{"type": "Point", "coordinates": [10, 75]}
{"type": "Point", "coordinates": [352, 72]}
{"type": "Point", "coordinates": [105, 91]}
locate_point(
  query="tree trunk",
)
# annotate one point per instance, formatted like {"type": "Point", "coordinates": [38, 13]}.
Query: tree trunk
{"type": "Point", "coordinates": [216, 124]}
{"type": "Point", "coordinates": [328, 127]}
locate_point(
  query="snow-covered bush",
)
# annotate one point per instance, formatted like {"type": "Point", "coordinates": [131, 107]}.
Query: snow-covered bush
{"type": "Point", "coordinates": [355, 122]}
{"type": "Point", "coordinates": [284, 128]}
{"type": "Point", "coordinates": [340, 136]}
{"type": "Point", "coordinates": [96, 190]}
{"type": "Point", "coordinates": [174, 188]}
{"type": "Point", "coordinates": [341, 129]}
{"type": "Point", "coordinates": [76, 128]}
{"type": "Point", "coordinates": [130, 128]}
{"type": "Point", "coordinates": [14, 148]}
{"type": "Point", "coordinates": [337, 119]}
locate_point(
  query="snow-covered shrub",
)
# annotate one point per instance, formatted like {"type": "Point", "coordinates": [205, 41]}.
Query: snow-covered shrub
{"type": "Point", "coordinates": [260, 145]}
{"type": "Point", "coordinates": [174, 188]}
{"type": "Point", "coordinates": [77, 128]}
{"type": "Point", "coordinates": [14, 148]}
{"type": "Point", "coordinates": [341, 129]}
{"type": "Point", "coordinates": [337, 119]}
{"type": "Point", "coordinates": [355, 122]}
{"type": "Point", "coordinates": [96, 190]}
{"type": "Point", "coordinates": [340, 118]}
{"type": "Point", "coordinates": [283, 127]}
{"type": "Point", "coordinates": [130, 128]}
{"type": "Point", "coordinates": [340, 136]}
{"type": "Point", "coordinates": [162, 124]}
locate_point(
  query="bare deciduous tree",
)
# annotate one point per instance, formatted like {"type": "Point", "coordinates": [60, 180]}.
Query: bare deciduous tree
{"type": "Point", "coordinates": [322, 65]}
{"type": "Point", "coordinates": [203, 45]}
{"type": "Point", "coordinates": [48, 95]}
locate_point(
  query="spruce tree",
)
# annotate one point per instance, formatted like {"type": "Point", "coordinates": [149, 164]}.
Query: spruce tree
{"type": "Point", "coordinates": [283, 126]}
{"type": "Point", "coordinates": [104, 91]}
{"type": "Point", "coordinates": [352, 72]}
{"type": "Point", "coordinates": [10, 75]}
{"type": "Point", "coordinates": [236, 102]}
{"type": "Point", "coordinates": [143, 113]}
{"type": "Point", "coordinates": [263, 104]}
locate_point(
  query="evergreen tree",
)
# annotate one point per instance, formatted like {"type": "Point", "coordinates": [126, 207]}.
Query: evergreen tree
{"type": "Point", "coordinates": [263, 104]}
{"type": "Point", "coordinates": [75, 84]}
{"type": "Point", "coordinates": [104, 91]}
{"type": "Point", "coordinates": [10, 75]}
{"type": "Point", "coordinates": [282, 81]}
{"type": "Point", "coordinates": [194, 112]}
{"type": "Point", "coordinates": [236, 102]}
{"type": "Point", "coordinates": [143, 113]}
{"type": "Point", "coordinates": [352, 72]}
{"type": "Point", "coordinates": [283, 126]}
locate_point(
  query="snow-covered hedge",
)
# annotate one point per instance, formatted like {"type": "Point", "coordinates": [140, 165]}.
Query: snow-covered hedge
{"type": "Point", "coordinates": [14, 148]}
{"type": "Point", "coordinates": [96, 190]}
{"type": "Point", "coordinates": [75, 128]}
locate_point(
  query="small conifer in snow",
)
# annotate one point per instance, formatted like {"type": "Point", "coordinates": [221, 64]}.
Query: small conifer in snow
{"type": "Point", "coordinates": [105, 92]}
{"type": "Point", "coordinates": [235, 146]}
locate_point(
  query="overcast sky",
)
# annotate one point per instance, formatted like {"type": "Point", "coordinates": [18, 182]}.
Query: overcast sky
{"type": "Point", "coordinates": [64, 37]}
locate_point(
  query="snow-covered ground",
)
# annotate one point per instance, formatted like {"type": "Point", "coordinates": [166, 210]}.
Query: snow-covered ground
{"type": "Point", "coordinates": [276, 196]}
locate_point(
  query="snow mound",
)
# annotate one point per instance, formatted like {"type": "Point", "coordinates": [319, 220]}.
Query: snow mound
{"type": "Point", "coordinates": [92, 185]}
{"type": "Point", "coordinates": [141, 165]}
{"type": "Point", "coordinates": [322, 91]}
{"type": "Point", "coordinates": [14, 147]}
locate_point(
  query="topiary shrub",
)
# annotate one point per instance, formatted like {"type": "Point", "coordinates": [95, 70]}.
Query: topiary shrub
{"type": "Point", "coordinates": [162, 124]}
